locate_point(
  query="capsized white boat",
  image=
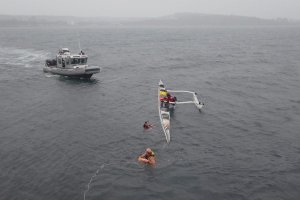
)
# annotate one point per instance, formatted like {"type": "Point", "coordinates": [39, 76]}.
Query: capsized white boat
{"type": "Point", "coordinates": [72, 65]}
{"type": "Point", "coordinates": [164, 113]}
{"type": "Point", "coordinates": [164, 106]}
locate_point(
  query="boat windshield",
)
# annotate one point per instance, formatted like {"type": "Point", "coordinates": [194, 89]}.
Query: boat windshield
{"type": "Point", "coordinates": [83, 60]}
{"type": "Point", "coordinates": [79, 61]}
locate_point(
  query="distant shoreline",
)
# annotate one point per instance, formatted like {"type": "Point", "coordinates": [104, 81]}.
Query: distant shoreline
{"type": "Point", "coordinates": [175, 20]}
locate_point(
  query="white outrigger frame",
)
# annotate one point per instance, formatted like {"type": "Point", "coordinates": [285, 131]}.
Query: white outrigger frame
{"type": "Point", "coordinates": [195, 100]}
{"type": "Point", "coordinates": [165, 120]}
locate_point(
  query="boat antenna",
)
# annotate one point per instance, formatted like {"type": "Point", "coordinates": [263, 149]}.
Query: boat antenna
{"type": "Point", "coordinates": [78, 38]}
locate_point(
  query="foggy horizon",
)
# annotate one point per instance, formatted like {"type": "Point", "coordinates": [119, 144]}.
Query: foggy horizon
{"type": "Point", "coordinates": [145, 17]}
{"type": "Point", "coordinates": [266, 9]}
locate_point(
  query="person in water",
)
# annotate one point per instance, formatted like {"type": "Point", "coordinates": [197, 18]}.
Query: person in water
{"type": "Point", "coordinates": [147, 125]}
{"type": "Point", "coordinates": [148, 157]}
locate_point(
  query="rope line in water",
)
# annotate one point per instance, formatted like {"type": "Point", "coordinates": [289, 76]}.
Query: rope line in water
{"type": "Point", "coordinates": [96, 174]}
{"type": "Point", "coordinates": [91, 180]}
{"type": "Point", "coordinates": [151, 131]}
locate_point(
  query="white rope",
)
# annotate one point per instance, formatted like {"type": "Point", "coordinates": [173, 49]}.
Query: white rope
{"type": "Point", "coordinates": [91, 180]}
{"type": "Point", "coordinates": [96, 174]}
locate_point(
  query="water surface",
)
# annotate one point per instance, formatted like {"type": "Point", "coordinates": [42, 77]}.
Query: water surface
{"type": "Point", "coordinates": [59, 135]}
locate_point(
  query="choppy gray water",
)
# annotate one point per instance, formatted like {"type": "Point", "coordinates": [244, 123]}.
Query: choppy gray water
{"type": "Point", "coordinates": [62, 138]}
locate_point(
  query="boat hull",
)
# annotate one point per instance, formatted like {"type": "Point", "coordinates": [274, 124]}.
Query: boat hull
{"type": "Point", "coordinates": [79, 72]}
{"type": "Point", "coordinates": [164, 116]}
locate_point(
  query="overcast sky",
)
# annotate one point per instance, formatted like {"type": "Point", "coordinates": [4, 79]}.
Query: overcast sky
{"type": "Point", "coordinates": [152, 8]}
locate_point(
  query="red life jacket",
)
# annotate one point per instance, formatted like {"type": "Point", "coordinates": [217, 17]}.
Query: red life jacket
{"type": "Point", "coordinates": [163, 99]}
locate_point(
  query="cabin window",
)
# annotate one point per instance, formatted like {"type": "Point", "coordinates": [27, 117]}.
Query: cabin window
{"type": "Point", "coordinates": [67, 61]}
{"type": "Point", "coordinates": [83, 61]}
{"type": "Point", "coordinates": [59, 60]}
{"type": "Point", "coordinates": [75, 61]}
{"type": "Point", "coordinates": [63, 63]}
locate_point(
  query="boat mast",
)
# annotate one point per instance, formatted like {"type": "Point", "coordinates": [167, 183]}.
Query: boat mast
{"type": "Point", "coordinates": [79, 44]}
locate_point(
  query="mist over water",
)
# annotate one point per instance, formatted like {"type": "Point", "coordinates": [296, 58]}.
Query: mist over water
{"type": "Point", "coordinates": [62, 138]}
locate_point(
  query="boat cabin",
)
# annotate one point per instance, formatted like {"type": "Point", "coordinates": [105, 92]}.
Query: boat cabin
{"type": "Point", "coordinates": [65, 59]}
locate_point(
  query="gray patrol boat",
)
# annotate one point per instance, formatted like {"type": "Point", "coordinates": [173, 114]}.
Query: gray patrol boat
{"type": "Point", "coordinates": [72, 65]}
